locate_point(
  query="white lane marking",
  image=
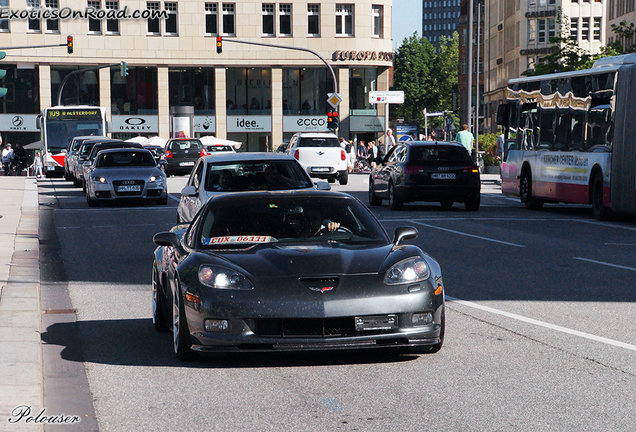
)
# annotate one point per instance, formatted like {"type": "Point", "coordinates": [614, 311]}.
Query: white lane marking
{"type": "Point", "coordinates": [604, 263]}
{"type": "Point", "coordinates": [468, 235]}
{"type": "Point", "coordinates": [544, 324]}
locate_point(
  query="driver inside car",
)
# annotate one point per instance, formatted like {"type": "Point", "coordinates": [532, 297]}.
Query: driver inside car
{"type": "Point", "coordinates": [312, 223]}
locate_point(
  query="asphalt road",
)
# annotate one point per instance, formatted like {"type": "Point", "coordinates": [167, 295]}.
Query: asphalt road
{"type": "Point", "coordinates": [541, 311]}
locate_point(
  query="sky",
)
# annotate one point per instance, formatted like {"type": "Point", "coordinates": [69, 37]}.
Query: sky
{"type": "Point", "coordinates": [407, 19]}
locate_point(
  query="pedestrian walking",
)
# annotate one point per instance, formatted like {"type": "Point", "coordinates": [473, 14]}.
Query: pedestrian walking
{"type": "Point", "coordinates": [37, 165]}
{"type": "Point", "coordinates": [7, 159]}
{"type": "Point", "coordinates": [466, 138]}
{"type": "Point", "coordinates": [390, 139]}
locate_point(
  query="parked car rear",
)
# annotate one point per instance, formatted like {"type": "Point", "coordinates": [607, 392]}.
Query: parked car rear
{"type": "Point", "coordinates": [181, 154]}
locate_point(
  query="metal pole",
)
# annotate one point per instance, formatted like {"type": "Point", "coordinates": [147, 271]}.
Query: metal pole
{"type": "Point", "coordinates": [59, 92]}
{"type": "Point", "coordinates": [469, 81]}
{"type": "Point", "coordinates": [477, 92]}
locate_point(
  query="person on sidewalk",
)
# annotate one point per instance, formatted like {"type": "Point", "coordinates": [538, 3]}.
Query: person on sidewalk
{"type": "Point", "coordinates": [466, 138]}
{"type": "Point", "coordinates": [7, 159]}
{"type": "Point", "coordinates": [37, 165]}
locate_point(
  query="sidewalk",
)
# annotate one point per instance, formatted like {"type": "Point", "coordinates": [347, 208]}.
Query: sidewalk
{"type": "Point", "coordinates": [20, 354]}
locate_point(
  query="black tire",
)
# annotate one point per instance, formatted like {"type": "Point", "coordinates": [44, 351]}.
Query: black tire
{"type": "Point", "coordinates": [67, 176]}
{"type": "Point", "coordinates": [77, 183]}
{"type": "Point", "coordinates": [394, 202]}
{"type": "Point", "coordinates": [374, 200]}
{"type": "Point", "coordinates": [180, 334]}
{"type": "Point", "coordinates": [525, 189]}
{"type": "Point", "coordinates": [158, 303]}
{"type": "Point", "coordinates": [472, 203]}
{"type": "Point", "coordinates": [600, 212]}
{"type": "Point", "coordinates": [91, 202]}
{"type": "Point", "coordinates": [344, 178]}
{"type": "Point", "coordinates": [446, 203]}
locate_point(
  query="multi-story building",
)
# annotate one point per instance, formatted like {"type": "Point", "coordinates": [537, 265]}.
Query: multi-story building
{"type": "Point", "coordinates": [618, 11]}
{"type": "Point", "coordinates": [518, 36]}
{"type": "Point", "coordinates": [465, 63]}
{"type": "Point", "coordinates": [254, 94]}
{"type": "Point", "coordinates": [439, 18]}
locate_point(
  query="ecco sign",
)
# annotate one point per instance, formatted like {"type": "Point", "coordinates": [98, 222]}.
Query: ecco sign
{"type": "Point", "coordinates": [304, 123]}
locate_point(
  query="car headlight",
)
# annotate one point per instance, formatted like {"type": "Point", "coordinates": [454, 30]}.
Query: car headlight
{"type": "Point", "coordinates": [156, 179]}
{"type": "Point", "coordinates": [407, 271]}
{"type": "Point", "coordinates": [223, 278]}
{"type": "Point", "coordinates": [96, 179]}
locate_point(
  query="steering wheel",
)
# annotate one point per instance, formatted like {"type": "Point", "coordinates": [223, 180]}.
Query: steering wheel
{"type": "Point", "coordinates": [341, 228]}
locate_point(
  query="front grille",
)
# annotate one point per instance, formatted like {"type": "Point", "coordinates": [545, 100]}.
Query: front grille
{"type": "Point", "coordinates": [305, 327]}
{"type": "Point", "coordinates": [118, 183]}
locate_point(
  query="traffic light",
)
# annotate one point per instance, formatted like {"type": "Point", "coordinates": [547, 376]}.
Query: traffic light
{"type": "Point", "coordinates": [332, 120]}
{"type": "Point", "coordinates": [124, 69]}
{"type": "Point", "coordinates": [3, 72]}
{"type": "Point", "coordinates": [219, 44]}
{"type": "Point", "coordinates": [69, 44]}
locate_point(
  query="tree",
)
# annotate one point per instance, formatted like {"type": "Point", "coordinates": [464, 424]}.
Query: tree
{"type": "Point", "coordinates": [625, 34]}
{"type": "Point", "coordinates": [425, 75]}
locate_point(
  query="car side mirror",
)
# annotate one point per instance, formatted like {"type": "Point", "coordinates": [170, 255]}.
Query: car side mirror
{"type": "Point", "coordinates": [404, 233]}
{"type": "Point", "coordinates": [189, 191]}
{"type": "Point", "coordinates": [167, 239]}
{"type": "Point", "coordinates": [323, 186]}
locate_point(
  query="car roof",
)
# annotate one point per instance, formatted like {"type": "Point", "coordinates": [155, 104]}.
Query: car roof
{"type": "Point", "coordinates": [184, 139]}
{"type": "Point", "coordinates": [246, 156]}
{"type": "Point", "coordinates": [123, 150]}
{"type": "Point", "coordinates": [431, 143]}
{"type": "Point", "coordinates": [263, 194]}
{"type": "Point", "coordinates": [101, 140]}
{"type": "Point", "coordinates": [317, 135]}
{"type": "Point", "coordinates": [87, 137]}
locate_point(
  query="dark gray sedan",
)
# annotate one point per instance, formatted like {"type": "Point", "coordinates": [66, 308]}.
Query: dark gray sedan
{"type": "Point", "coordinates": [125, 173]}
{"type": "Point", "coordinates": [291, 271]}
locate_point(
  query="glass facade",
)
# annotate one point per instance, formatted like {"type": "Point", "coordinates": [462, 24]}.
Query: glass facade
{"type": "Point", "coordinates": [305, 90]}
{"type": "Point", "coordinates": [80, 89]}
{"type": "Point", "coordinates": [135, 94]}
{"type": "Point", "coordinates": [361, 82]}
{"type": "Point", "coordinates": [249, 91]}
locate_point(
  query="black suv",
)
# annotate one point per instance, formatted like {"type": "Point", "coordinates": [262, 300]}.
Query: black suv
{"type": "Point", "coordinates": [181, 154]}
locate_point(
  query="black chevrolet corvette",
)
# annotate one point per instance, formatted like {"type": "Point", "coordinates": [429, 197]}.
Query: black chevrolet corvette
{"type": "Point", "coordinates": [294, 271]}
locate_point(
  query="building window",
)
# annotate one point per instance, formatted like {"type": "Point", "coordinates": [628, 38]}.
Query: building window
{"type": "Point", "coordinates": [313, 19]}
{"type": "Point", "coordinates": [378, 18]}
{"type": "Point", "coordinates": [34, 25]}
{"type": "Point", "coordinates": [464, 37]}
{"type": "Point", "coordinates": [551, 29]}
{"type": "Point", "coordinates": [285, 19]}
{"type": "Point", "coordinates": [112, 25]}
{"type": "Point", "coordinates": [4, 23]}
{"type": "Point", "coordinates": [153, 24]}
{"type": "Point", "coordinates": [304, 90]}
{"type": "Point", "coordinates": [94, 25]}
{"type": "Point", "coordinates": [249, 91]}
{"type": "Point", "coordinates": [268, 19]}
{"type": "Point", "coordinates": [532, 30]}
{"type": "Point", "coordinates": [597, 28]}
{"type": "Point", "coordinates": [228, 13]}
{"type": "Point", "coordinates": [541, 31]}
{"type": "Point", "coordinates": [462, 66]}
{"type": "Point", "coordinates": [361, 82]}
{"type": "Point", "coordinates": [211, 19]}
{"type": "Point", "coordinates": [172, 27]}
{"type": "Point", "coordinates": [574, 29]}
{"type": "Point", "coordinates": [344, 20]}
{"type": "Point", "coordinates": [52, 25]}
{"type": "Point", "coordinates": [585, 28]}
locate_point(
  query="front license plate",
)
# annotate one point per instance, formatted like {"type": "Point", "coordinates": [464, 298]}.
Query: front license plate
{"type": "Point", "coordinates": [320, 169]}
{"type": "Point", "coordinates": [443, 176]}
{"type": "Point", "coordinates": [186, 163]}
{"type": "Point", "coordinates": [378, 322]}
{"type": "Point", "coordinates": [50, 168]}
{"type": "Point", "coordinates": [135, 188]}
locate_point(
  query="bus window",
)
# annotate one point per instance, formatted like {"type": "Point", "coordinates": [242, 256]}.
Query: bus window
{"type": "Point", "coordinates": [599, 126]}
{"type": "Point", "coordinates": [577, 131]}
{"type": "Point", "coordinates": [546, 132]}
{"type": "Point", "coordinates": [527, 125]}
{"type": "Point", "coordinates": [562, 130]}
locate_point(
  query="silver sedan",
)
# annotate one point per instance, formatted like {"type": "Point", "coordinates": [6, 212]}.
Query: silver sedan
{"type": "Point", "coordinates": [125, 173]}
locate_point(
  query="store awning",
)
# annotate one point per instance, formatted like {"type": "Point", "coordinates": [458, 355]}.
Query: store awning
{"type": "Point", "coordinates": [37, 145]}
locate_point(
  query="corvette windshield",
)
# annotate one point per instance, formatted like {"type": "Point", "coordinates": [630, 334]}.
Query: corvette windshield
{"type": "Point", "coordinates": [288, 219]}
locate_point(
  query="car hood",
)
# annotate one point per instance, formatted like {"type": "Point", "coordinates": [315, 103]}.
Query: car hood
{"type": "Point", "coordinates": [317, 259]}
{"type": "Point", "coordinates": [127, 172]}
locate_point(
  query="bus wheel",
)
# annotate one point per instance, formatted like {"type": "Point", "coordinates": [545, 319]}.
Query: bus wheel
{"type": "Point", "coordinates": [526, 192]}
{"type": "Point", "coordinates": [598, 208]}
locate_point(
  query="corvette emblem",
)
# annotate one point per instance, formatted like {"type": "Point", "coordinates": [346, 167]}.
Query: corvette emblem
{"type": "Point", "coordinates": [321, 289]}
{"type": "Point", "coordinates": [320, 153]}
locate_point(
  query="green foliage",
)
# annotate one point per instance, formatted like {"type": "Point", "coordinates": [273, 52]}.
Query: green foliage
{"type": "Point", "coordinates": [488, 144]}
{"type": "Point", "coordinates": [625, 33]}
{"type": "Point", "coordinates": [425, 75]}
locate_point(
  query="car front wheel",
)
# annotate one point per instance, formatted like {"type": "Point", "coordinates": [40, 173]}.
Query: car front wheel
{"type": "Point", "coordinates": [394, 202]}
{"type": "Point", "coordinates": [158, 302]}
{"type": "Point", "coordinates": [374, 200]}
{"type": "Point", "coordinates": [180, 333]}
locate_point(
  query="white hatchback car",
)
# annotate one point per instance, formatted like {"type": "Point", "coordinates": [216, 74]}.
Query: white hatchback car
{"type": "Point", "coordinates": [241, 172]}
{"type": "Point", "coordinates": [321, 155]}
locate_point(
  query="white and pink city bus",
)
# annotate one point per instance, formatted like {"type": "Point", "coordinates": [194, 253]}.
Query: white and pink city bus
{"type": "Point", "coordinates": [59, 125]}
{"type": "Point", "coordinates": [571, 138]}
